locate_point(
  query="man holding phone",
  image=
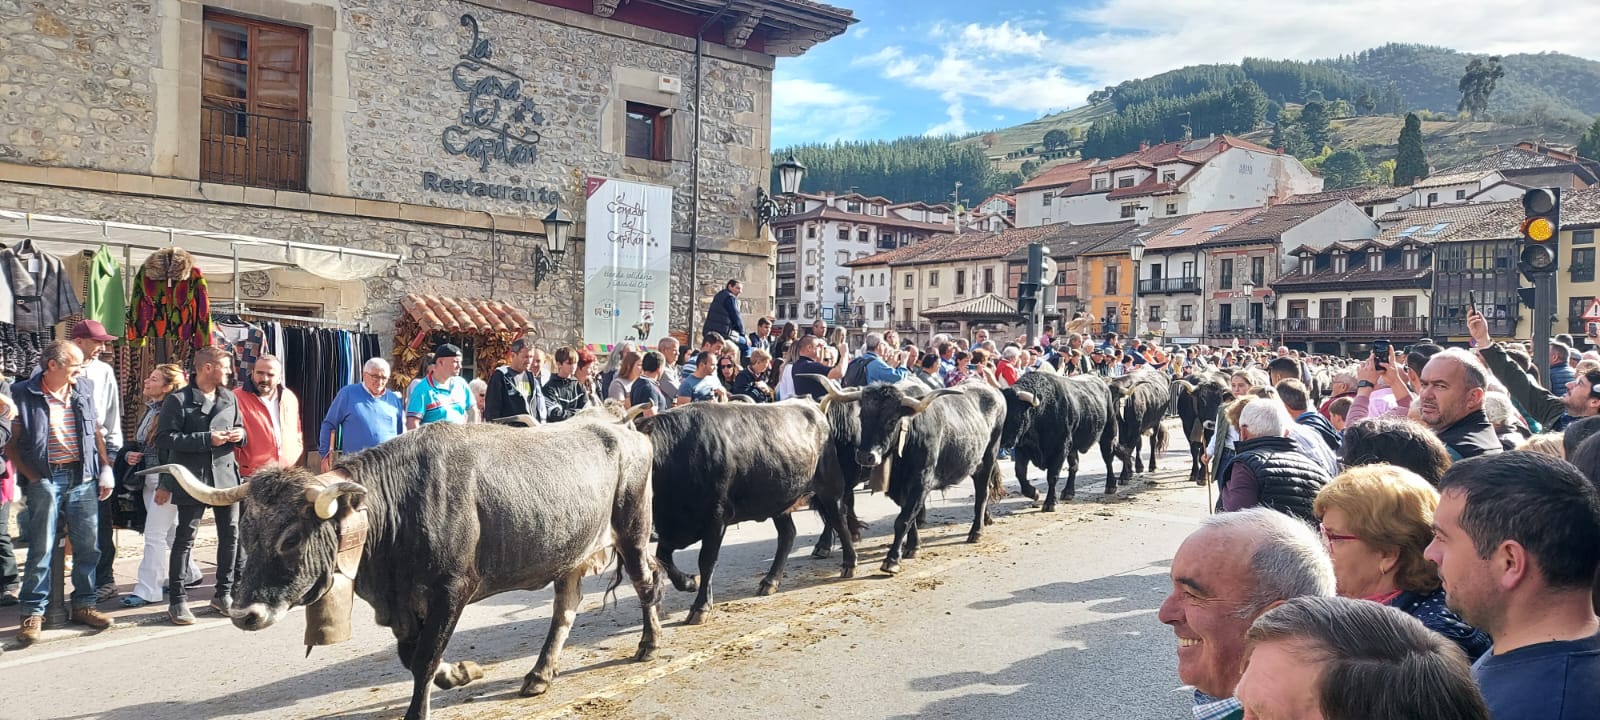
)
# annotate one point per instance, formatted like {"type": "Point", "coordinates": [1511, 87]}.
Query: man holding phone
{"type": "Point", "coordinates": [1553, 411]}
{"type": "Point", "coordinates": [200, 427]}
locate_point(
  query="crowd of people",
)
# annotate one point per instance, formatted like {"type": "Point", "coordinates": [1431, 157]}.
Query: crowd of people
{"type": "Point", "coordinates": [1422, 543]}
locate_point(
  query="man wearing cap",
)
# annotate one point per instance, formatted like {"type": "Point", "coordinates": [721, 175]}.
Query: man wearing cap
{"type": "Point", "coordinates": [91, 337]}
{"type": "Point", "coordinates": [442, 396]}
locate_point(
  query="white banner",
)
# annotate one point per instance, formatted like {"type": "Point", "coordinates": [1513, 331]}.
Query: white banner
{"type": "Point", "coordinates": [627, 263]}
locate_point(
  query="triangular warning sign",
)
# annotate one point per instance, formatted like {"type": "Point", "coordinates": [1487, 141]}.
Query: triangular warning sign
{"type": "Point", "coordinates": [1593, 313]}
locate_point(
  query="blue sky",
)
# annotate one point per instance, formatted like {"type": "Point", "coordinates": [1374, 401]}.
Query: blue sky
{"type": "Point", "coordinates": [934, 66]}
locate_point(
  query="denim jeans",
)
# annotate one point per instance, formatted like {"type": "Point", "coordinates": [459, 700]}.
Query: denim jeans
{"type": "Point", "coordinates": [9, 579]}
{"type": "Point", "coordinates": [229, 557]}
{"type": "Point", "coordinates": [75, 501]}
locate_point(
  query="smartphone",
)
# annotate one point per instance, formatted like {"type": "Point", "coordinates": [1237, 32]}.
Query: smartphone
{"type": "Point", "coordinates": [1472, 302]}
{"type": "Point", "coordinates": [1380, 353]}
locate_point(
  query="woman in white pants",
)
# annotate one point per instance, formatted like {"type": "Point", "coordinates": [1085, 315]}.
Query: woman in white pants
{"type": "Point", "coordinates": [161, 521]}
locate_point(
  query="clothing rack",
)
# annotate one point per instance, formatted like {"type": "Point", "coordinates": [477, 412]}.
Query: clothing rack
{"type": "Point", "coordinates": [239, 310]}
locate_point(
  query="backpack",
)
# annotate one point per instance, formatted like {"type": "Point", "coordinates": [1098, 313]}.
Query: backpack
{"type": "Point", "coordinates": [855, 374]}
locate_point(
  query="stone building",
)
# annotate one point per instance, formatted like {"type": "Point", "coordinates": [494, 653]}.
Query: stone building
{"type": "Point", "coordinates": [442, 131]}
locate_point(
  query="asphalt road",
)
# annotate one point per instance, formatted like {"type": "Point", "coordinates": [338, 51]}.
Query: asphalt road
{"type": "Point", "coordinates": [1051, 615]}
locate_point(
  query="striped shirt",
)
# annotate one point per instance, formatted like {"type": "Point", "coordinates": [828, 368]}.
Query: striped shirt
{"type": "Point", "coordinates": [65, 446]}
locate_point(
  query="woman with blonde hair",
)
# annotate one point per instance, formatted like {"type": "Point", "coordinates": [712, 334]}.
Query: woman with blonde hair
{"type": "Point", "coordinates": [628, 370]}
{"type": "Point", "coordinates": [1550, 443]}
{"type": "Point", "coordinates": [160, 521]}
{"type": "Point", "coordinates": [1376, 521]}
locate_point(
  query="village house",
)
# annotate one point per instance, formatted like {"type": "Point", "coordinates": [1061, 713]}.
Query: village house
{"type": "Point", "coordinates": [1172, 271]}
{"type": "Point", "coordinates": [1474, 257]}
{"type": "Point", "coordinates": [1063, 244]}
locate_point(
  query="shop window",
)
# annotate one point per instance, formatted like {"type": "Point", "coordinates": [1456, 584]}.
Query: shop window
{"type": "Point", "coordinates": [253, 126]}
{"type": "Point", "coordinates": [649, 132]}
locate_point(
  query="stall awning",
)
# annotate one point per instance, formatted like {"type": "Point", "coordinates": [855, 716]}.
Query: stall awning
{"type": "Point", "coordinates": [465, 315]}
{"type": "Point", "coordinates": [983, 307]}
{"type": "Point", "coordinates": [215, 253]}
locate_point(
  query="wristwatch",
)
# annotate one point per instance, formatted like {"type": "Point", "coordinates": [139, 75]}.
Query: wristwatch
{"type": "Point", "coordinates": [1365, 384]}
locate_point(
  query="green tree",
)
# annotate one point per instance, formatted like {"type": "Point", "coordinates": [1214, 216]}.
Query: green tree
{"type": "Point", "coordinates": [1247, 108]}
{"type": "Point", "coordinates": [1029, 167]}
{"type": "Point", "coordinates": [1056, 138]}
{"type": "Point", "coordinates": [1383, 173]}
{"type": "Point", "coordinates": [1314, 122]}
{"type": "Point", "coordinates": [1589, 144]}
{"type": "Point", "coordinates": [1477, 84]}
{"type": "Point", "coordinates": [1346, 168]}
{"type": "Point", "coordinates": [1411, 163]}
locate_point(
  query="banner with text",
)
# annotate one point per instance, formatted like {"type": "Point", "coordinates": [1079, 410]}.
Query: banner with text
{"type": "Point", "coordinates": [627, 263]}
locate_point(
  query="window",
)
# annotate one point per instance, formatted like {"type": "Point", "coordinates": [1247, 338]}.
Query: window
{"type": "Point", "coordinates": [786, 236]}
{"type": "Point", "coordinates": [811, 285]}
{"type": "Point", "coordinates": [1178, 232]}
{"type": "Point", "coordinates": [1583, 265]}
{"type": "Point", "coordinates": [1155, 313]}
{"type": "Point", "coordinates": [1128, 209]}
{"type": "Point", "coordinates": [886, 241]}
{"type": "Point", "coordinates": [844, 233]}
{"type": "Point", "coordinates": [875, 210]}
{"type": "Point", "coordinates": [811, 257]}
{"type": "Point", "coordinates": [1169, 176]}
{"type": "Point", "coordinates": [1048, 196]}
{"type": "Point", "coordinates": [1124, 182]}
{"type": "Point", "coordinates": [780, 314]}
{"type": "Point", "coordinates": [1582, 237]}
{"type": "Point", "coordinates": [877, 311]}
{"type": "Point", "coordinates": [1172, 208]}
{"type": "Point", "coordinates": [1410, 230]}
{"type": "Point", "coordinates": [253, 127]}
{"type": "Point", "coordinates": [1306, 264]}
{"type": "Point", "coordinates": [988, 280]}
{"type": "Point", "coordinates": [881, 279]}
{"type": "Point", "coordinates": [1225, 275]}
{"type": "Point", "coordinates": [649, 132]}
{"type": "Point", "coordinates": [933, 278]}
{"type": "Point", "coordinates": [1435, 229]}
{"type": "Point", "coordinates": [860, 255]}
{"type": "Point", "coordinates": [852, 207]}
{"type": "Point", "coordinates": [863, 236]}
{"type": "Point", "coordinates": [1188, 268]}
{"type": "Point", "coordinates": [911, 280]}
{"type": "Point", "coordinates": [1433, 198]}
{"type": "Point", "coordinates": [1374, 262]}
{"type": "Point", "coordinates": [1045, 221]}
{"type": "Point", "coordinates": [1111, 279]}
{"type": "Point", "coordinates": [811, 232]}
{"type": "Point", "coordinates": [961, 282]}
{"type": "Point", "coordinates": [844, 257]}
{"type": "Point", "coordinates": [1258, 271]}
{"type": "Point", "coordinates": [1100, 183]}
{"type": "Point", "coordinates": [1186, 313]}
{"type": "Point", "coordinates": [1461, 194]}
{"type": "Point", "coordinates": [811, 309]}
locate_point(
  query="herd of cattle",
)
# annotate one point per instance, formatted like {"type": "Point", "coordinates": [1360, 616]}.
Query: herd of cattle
{"type": "Point", "coordinates": [453, 514]}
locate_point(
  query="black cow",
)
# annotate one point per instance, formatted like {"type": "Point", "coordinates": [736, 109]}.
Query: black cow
{"type": "Point", "coordinates": [938, 440]}
{"type": "Point", "coordinates": [1142, 397]}
{"type": "Point", "coordinates": [717, 464]}
{"type": "Point", "coordinates": [1052, 418]}
{"type": "Point", "coordinates": [1199, 396]}
{"type": "Point", "coordinates": [842, 474]}
{"type": "Point", "coordinates": [455, 514]}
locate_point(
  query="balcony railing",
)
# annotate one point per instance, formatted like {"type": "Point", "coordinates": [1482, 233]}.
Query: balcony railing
{"type": "Point", "coordinates": [1353, 327]}
{"type": "Point", "coordinates": [1169, 285]}
{"type": "Point", "coordinates": [786, 291]}
{"type": "Point", "coordinates": [887, 244]}
{"type": "Point", "coordinates": [241, 148]}
{"type": "Point", "coordinates": [786, 239]}
{"type": "Point", "coordinates": [786, 268]}
{"type": "Point", "coordinates": [1236, 327]}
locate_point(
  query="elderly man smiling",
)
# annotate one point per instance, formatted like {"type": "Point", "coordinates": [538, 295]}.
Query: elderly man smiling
{"type": "Point", "coordinates": [1235, 567]}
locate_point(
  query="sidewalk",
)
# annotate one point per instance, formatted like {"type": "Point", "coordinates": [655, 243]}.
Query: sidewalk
{"type": "Point", "coordinates": [130, 550]}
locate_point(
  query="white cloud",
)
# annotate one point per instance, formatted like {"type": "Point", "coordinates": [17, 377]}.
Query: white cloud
{"type": "Point", "coordinates": [955, 117]}
{"type": "Point", "coordinates": [805, 110]}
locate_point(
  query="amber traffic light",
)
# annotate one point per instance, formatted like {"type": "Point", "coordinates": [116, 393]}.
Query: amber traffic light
{"type": "Point", "coordinates": [1541, 228]}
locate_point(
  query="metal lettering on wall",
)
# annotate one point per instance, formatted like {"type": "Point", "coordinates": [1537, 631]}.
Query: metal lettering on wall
{"type": "Point", "coordinates": [497, 123]}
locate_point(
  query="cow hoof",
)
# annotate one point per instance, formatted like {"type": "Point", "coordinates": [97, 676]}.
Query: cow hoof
{"type": "Point", "coordinates": [988, 519]}
{"type": "Point", "coordinates": [1049, 506]}
{"type": "Point", "coordinates": [690, 584]}
{"type": "Point", "coordinates": [454, 675]}
{"type": "Point", "coordinates": [909, 554]}
{"type": "Point", "coordinates": [821, 552]}
{"type": "Point", "coordinates": [847, 573]}
{"type": "Point", "coordinates": [534, 686]}
{"type": "Point", "coordinates": [891, 567]}
{"type": "Point", "coordinates": [767, 588]}
{"type": "Point", "coordinates": [1068, 496]}
{"type": "Point", "coordinates": [696, 617]}
{"type": "Point", "coordinates": [973, 537]}
{"type": "Point", "coordinates": [1030, 492]}
{"type": "Point", "coordinates": [646, 653]}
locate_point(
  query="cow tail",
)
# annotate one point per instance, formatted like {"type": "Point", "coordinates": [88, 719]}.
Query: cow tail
{"type": "Point", "coordinates": [997, 487]}
{"type": "Point", "coordinates": [616, 582]}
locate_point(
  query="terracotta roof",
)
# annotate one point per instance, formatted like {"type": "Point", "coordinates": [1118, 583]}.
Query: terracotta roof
{"type": "Point", "coordinates": [1463, 221]}
{"type": "Point", "coordinates": [988, 304]}
{"type": "Point", "coordinates": [1067, 241]}
{"type": "Point", "coordinates": [1270, 224]}
{"type": "Point", "coordinates": [1356, 275]}
{"type": "Point", "coordinates": [1184, 231]}
{"type": "Point", "coordinates": [1361, 195]}
{"type": "Point", "coordinates": [1581, 208]}
{"type": "Point", "coordinates": [891, 256]}
{"type": "Point", "coordinates": [1458, 178]}
{"type": "Point", "coordinates": [434, 312]}
{"type": "Point", "coordinates": [966, 246]}
{"type": "Point", "coordinates": [1194, 152]}
{"type": "Point", "coordinates": [1063, 174]}
{"type": "Point", "coordinates": [1514, 158]}
{"type": "Point", "coordinates": [888, 220]}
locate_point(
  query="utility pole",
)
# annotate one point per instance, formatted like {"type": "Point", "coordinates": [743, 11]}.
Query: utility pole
{"type": "Point", "coordinates": [957, 196]}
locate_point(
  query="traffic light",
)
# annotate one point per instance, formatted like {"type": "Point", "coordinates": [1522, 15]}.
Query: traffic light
{"type": "Point", "coordinates": [1027, 299]}
{"type": "Point", "coordinates": [1541, 231]}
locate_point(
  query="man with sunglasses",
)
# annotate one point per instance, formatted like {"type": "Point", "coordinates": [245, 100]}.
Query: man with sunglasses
{"type": "Point", "coordinates": [1553, 411]}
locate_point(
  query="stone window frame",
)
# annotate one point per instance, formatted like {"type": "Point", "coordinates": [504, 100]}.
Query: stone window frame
{"type": "Point", "coordinates": [178, 84]}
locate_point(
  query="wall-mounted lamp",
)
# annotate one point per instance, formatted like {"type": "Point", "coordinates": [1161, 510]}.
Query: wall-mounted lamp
{"type": "Point", "coordinates": [557, 230]}
{"type": "Point", "coordinates": [767, 209]}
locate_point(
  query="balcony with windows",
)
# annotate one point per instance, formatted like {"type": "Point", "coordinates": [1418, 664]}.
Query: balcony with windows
{"type": "Point", "coordinates": [786, 268]}
{"type": "Point", "coordinates": [1169, 285]}
{"type": "Point", "coordinates": [1241, 327]}
{"type": "Point", "coordinates": [787, 290]}
{"type": "Point", "coordinates": [1353, 328]}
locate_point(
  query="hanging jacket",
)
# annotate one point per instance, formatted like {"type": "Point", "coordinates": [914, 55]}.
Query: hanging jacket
{"type": "Point", "coordinates": [169, 301]}
{"type": "Point", "coordinates": [1285, 479]}
{"type": "Point", "coordinates": [105, 300]}
{"type": "Point", "coordinates": [39, 299]}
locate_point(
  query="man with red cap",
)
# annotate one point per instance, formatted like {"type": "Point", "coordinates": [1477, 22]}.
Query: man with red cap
{"type": "Point", "coordinates": [91, 337]}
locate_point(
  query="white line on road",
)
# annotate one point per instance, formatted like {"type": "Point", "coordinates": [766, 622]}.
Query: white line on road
{"type": "Point", "coordinates": [15, 659]}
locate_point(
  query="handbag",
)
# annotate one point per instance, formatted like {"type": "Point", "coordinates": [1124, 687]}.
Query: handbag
{"type": "Point", "coordinates": [127, 498]}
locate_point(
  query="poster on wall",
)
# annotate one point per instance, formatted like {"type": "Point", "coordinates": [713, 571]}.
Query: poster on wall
{"type": "Point", "coordinates": [627, 263]}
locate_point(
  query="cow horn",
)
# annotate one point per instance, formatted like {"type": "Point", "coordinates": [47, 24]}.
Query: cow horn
{"type": "Point", "coordinates": [741, 399]}
{"type": "Point", "coordinates": [1185, 385]}
{"type": "Point", "coordinates": [199, 490]}
{"type": "Point", "coordinates": [917, 406]}
{"type": "Point", "coordinates": [326, 498]}
{"type": "Point", "coordinates": [1028, 398]}
{"type": "Point", "coordinates": [835, 393]}
{"type": "Point", "coordinates": [523, 420]}
{"type": "Point", "coordinates": [634, 412]}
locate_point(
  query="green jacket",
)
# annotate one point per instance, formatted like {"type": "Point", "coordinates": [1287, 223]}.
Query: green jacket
{"type": "Point", "coordinates": [105, 302]}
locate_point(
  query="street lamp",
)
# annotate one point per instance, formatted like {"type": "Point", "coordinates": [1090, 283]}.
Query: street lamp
{"type": "Point", "coordinates": [557, 228]}
{"type": "Point", "coordinates": [1136, 253]}
{"type": "Point", "coordinates": [790, 173]}
{"type": "Point", "coordinates": [1249, 294]}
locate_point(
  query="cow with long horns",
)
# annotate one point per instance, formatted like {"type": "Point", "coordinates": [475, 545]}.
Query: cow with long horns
{"type": "Point", "coordinates": [1142, 398]}
{"type": "Point", "coordinates": [1050, 420]}
{"type": "Point", "coordinates": [1199, 395]}
{"type": "Point", "coordinates": [442, 517]}
{"type": "Point", "coordinates": [937, 441]}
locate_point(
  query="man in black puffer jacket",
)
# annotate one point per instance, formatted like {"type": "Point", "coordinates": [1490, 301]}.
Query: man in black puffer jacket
{"type": "Point", "coordinates": [1269, 469]}
{"type": "Point", "coordinates": [1451, 399]}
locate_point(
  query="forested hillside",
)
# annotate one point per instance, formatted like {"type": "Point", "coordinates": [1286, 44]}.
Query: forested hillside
{"type": "Point", "coordinates": [1543, 87]}
{"type": "Point", "coordinates": [903, 170]}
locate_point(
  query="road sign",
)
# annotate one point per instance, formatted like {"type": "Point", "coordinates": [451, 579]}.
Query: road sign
{"type": "Point", "coordinates": [1593, 313]}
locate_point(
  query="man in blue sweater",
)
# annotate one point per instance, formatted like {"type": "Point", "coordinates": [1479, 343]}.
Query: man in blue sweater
{"type": "Point", "coordinates": [363, 414]}
{"type": "Point", "coordinates": [724, 319]}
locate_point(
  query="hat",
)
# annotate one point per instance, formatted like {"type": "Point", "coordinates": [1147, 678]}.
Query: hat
{"type": "Point", "coordinates": [91, 330]}
{"type": "Point", "coordinates": [444, 350]}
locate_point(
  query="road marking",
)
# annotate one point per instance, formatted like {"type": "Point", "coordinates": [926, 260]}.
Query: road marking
{"type": "Point", "coordinates": [18, 659]}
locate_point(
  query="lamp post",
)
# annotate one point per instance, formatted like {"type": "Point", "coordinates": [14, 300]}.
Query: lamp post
{"type": "Point", "coordinates": [557, 230]}
{"type": "Point", "coordinates": [1136, 253]}
{"type": "Point", "coordinates": [767, 209]}
{"type": "Point", "coordinates": [1249, 294]}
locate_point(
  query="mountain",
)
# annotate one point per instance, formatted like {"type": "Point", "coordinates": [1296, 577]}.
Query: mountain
{"type": "Point", "coordinates": [1556, 85]}
{"type": "Point", "coordinates": [1548, 96]}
